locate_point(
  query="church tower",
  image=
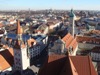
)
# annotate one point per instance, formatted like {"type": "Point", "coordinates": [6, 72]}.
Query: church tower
{"type": "Point", "coordinates": [21, 52]}
{"type": "Point", "coordinates": [72, 22]}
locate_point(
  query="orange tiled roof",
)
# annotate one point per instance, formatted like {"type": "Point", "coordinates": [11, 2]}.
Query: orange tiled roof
{"type": "Point", "coordinates": [1, 25]}
{"type": "Point", "coordinates": [53, 65]}
{"type": "Point", "coordinates": [66, 37]}
{"type": "Point", "coordinates": [6, 59]}
{"type": "Point", "coordinates": [68, 65]}
{"type": "Point", "coordinates": [70, 41]}
{"type": "Point", "coordinates": [88, 39]}
{"type": "Point", "coordinates": [73, 44]}
{"type": "Point", "coordinates": [83, 65]}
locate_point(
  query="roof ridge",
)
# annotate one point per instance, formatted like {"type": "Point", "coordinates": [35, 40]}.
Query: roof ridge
{"type": "Point", "coordinates": [89, 64]}
{"type": "Point", "coordinates": [72, 66]}
{"type": "Point", "coordinates": [72, 42]}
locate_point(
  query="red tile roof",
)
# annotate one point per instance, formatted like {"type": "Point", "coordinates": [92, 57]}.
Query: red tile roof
{"type": "Point", "coordinates": [88, 39]}
{"type": "Point", "coordinates": [65, 38]}
{"type": "Point", "coordinates": [68, 65]}
{"type": "Point", "coordinates": [83, 65]}
{"type": "Point", "coordinates": [70, 41]}
{"type": "Point", "coordinates": [6, 59]}
{"type": "Point", "coordinates": [74, 44]}
{"type": "Point", "coordinates": [53, 65]}
{"type": "Point", "coordinates": [1, 25]}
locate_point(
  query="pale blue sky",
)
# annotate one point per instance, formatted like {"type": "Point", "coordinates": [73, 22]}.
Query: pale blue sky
{"type": "Point", "coordinates": [47, 4]}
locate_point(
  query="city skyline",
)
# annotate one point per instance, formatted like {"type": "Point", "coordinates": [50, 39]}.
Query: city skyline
{"type": "Point", "coordinates": [47, 4]}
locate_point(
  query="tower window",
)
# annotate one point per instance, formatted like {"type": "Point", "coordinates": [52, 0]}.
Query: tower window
{"type": "Point", "coordinates": [18, 54]}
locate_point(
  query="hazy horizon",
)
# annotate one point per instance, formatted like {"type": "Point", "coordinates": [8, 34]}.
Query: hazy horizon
{"type": "Point", "coordinates": [49, 4]}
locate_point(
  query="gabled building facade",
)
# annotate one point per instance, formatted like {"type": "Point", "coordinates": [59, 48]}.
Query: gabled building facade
{"type": "Point", "coordinates": [71, 44]}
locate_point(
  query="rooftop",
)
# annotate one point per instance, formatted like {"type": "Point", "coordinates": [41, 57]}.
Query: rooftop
{"type": "Point", "coordinates": [6, 59]}
{"type": "Point", "coordinates": [68, 65]}
{"type": "Point", "coordinates": [70, 41]}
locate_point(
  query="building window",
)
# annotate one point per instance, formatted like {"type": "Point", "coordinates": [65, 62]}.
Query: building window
{"type": "Point", "coordinates": [16, 63]}
{"type": "Point", "coordinates": [19, 63]}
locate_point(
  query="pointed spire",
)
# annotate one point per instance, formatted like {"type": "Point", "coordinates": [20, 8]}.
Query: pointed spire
{"type": "Point", "coordinates": [19, 29]}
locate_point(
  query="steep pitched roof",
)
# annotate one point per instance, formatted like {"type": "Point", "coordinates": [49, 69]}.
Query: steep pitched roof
{"type": "Point", "coordinates": [83, 65]}
{"type": "Point", "coordinates": [6, 59]}
{"type": "Point", "coordinates": [68, 65]}
{"type": "Point", "coordinates": [73, 44]}
{"type": "Point", "coordinates": [70, 41]}
{"type": "Point", "coordinates": [53, 65]}
{"type": "Point", "coordinates": [66, 37]}
{"type": "Point", "coordinates": [69, 68]}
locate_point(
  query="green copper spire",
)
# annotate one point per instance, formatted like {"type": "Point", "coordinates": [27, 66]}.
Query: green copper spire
{"type": "Point", "coordinates": [72, 13]}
